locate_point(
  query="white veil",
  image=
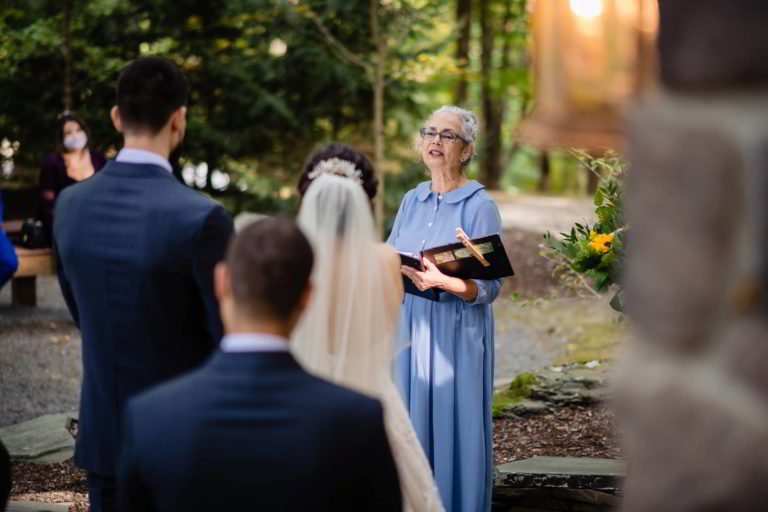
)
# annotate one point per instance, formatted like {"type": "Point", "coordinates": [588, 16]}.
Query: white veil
{"type": "Point", "coordinates": [347, 333]}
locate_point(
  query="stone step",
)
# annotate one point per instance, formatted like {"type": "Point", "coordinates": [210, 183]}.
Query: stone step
{"type": "Point", "coordinates": [43, 439]}
{"type": "Point", "coordinates": [558, 483]}
{"type": "Point", "coordinates": [37, 506]}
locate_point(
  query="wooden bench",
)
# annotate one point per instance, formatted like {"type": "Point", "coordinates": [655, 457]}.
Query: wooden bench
{"type": "Point", "coordinates": [32, 263]}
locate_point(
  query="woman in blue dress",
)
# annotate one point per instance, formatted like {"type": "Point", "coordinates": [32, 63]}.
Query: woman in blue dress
{"type": "Point", "coordinates": [445, 375]}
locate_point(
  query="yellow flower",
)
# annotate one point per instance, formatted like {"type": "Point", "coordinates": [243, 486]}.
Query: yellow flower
{"type": "Point", "coordinates": [601, 243]}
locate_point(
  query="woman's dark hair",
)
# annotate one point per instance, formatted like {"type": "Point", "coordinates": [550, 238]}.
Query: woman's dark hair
{"type": "Point", "coordinates": [63, 119]}
{"type": "Point", "coordinates": [149, 90]}
{"type": "Point", "coordinates": [343, 152]}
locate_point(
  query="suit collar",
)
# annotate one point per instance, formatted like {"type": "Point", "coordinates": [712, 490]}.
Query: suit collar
{"type": "Point", "coordinates": [136, 170]}
{"type": "Point", "coordinates": [251, 361]}
{"type": "Point", "coordinates": [424, 190]}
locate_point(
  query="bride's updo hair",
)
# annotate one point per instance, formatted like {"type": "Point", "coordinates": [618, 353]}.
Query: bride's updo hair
{"type": "Point", "coordinates": [366, 177]}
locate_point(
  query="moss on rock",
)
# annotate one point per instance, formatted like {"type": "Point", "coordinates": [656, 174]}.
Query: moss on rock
{"type": "Point", "coordinates": [518, 389]}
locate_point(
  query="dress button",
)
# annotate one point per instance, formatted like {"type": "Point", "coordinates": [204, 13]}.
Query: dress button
{"type": "Point", "coordinates": [429, 225]}
{"type": "Point", "coordinates": [440, 196]}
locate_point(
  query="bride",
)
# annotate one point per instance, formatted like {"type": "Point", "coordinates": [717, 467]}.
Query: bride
{"type": "Point", "coordinates": [347, 333]}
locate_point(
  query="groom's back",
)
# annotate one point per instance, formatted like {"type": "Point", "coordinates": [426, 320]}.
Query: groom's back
{"type": "Point", "coordinates": [137, 251]}
{"type": "Point", "coordinates": [255, 431]}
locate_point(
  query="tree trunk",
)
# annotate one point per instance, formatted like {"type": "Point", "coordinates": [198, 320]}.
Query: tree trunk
{"type": "Point", "coordinates": [378, 113]}
{"type": "Point", "coordinates": [67, 50]}
{"type": "Point", "coordinates": [491, 170]}
{"type": "Point", "coordinates": [593, 180]}
{"type": "Point", "coordinates": [464, 21]}
{"type": "Point", "coordinates": [545, 166]}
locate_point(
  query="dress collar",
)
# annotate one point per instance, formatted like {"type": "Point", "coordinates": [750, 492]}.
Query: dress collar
{"type": "Point", "coordinates": [423, 191]}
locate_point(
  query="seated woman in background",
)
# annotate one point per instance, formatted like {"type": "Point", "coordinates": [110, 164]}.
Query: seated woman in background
{"type": "Point", "coordinates": [71, 162]}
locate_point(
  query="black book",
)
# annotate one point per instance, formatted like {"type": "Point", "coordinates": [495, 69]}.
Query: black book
{"type": "Point", "coordinates": [456, 260]}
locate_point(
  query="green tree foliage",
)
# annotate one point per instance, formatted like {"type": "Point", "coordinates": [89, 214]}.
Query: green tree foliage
{"type": "Point", "coordinates": [263, 87]}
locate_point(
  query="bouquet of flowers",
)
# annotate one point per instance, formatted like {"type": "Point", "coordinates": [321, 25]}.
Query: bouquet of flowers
{"type": "Point", "coordinates": [596, 251]}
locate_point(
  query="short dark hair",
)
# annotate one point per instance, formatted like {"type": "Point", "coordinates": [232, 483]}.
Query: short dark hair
{"type": "Point", "coordinates": [61, 120]}
{"type": "Point", "coordinates": [342, 151]}
{"type": "Point", "coordinates": [149, 90]}
{"type": "Point", "coordinates": [270, 262]}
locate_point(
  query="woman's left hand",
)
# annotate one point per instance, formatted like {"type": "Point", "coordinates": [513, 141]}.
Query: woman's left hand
{"type": "Point", "coordinates": [430, 277]}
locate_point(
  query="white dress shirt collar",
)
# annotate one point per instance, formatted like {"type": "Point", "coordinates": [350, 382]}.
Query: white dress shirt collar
{"type": "Point", "coordinates": [253, 342]}
{"type": "Point", "coordinates": [139, 156]}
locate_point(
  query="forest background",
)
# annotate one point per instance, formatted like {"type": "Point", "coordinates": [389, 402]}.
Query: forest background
{"type": "Point", "coordinates": [273, 79]}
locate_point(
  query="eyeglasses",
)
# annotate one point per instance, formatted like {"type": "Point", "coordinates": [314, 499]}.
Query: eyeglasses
{"type": "Point", "coordinates": [429, 134]}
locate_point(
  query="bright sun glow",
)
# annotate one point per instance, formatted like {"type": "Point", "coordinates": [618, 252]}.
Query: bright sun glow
{"type": "Point", "coordinates": [587, 8]}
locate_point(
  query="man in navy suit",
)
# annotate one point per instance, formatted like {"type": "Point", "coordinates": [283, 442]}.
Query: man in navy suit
{"type": "Point", "coordinates": [136, 252]}
{"type": "Point", "coordinates": [251, 429]}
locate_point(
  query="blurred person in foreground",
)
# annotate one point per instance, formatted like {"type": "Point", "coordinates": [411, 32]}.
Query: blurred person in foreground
{"type": "Point", "coordinates": [136, 252]}
{"type": "Point", "coordinates": [251, 429]}
{"type": "Point", "coordinates": [71, 162]}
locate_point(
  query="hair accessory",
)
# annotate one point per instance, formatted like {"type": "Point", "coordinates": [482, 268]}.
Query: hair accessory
{"type": "Point", "coordinates": [337, 167]}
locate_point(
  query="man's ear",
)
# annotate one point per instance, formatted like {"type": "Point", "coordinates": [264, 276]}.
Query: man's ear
{"type": "Point", "coordinates": [114, 113]}
{"type": "Point", "coordinates": [222, 281]}
{"type": "Point", "coordinates": [306, 298]}
{"type": "Point", "coordinates": [179, 119]}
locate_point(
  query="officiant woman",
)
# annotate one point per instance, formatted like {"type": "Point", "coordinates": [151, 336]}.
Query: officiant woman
{"type": "Point", "coordinates": [445, 375]}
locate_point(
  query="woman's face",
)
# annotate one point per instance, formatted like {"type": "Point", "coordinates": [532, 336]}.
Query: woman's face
{"type": "Point", "coordinates": [70, 128]}
{"type": "Point", "coordinates": [438, 154]}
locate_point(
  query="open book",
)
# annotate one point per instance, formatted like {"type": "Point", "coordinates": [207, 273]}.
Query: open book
{"type": "Point", "coordinates": [457, 260]}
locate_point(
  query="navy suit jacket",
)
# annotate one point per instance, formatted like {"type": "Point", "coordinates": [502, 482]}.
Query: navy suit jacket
{"type": "Point", "coordinates": [136, 251]}
{"type": "Point", "coordinates": [255, 431]}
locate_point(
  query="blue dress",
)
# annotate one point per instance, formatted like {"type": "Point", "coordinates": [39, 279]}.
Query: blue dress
{"type": "Point", "coordinates": [445, 374]}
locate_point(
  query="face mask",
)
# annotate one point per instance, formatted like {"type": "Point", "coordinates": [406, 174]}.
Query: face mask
{"type": "Point", "coordinates": [75, 141]}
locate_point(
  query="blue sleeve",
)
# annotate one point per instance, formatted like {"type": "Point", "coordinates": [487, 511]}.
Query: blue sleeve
{"type": "Point", "coordinates": [486, 222]}
{"type": "Point", "coordinates": [398, 220]}
{"type": "Point", "coordinates": [9, 263]}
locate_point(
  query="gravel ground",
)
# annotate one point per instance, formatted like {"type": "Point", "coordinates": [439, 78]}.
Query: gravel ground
{"type": "Point", "coordinates": [39, 357]}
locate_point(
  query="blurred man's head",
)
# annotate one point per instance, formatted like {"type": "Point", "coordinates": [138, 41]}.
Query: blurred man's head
{"type": "Point", "coordinates": [151, 101]}
{"type": "Point", "coordinates": [264, 283]}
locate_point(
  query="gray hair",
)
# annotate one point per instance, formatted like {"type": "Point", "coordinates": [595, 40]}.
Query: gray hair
{"type": "Point", "coordinates": [468, 125]}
